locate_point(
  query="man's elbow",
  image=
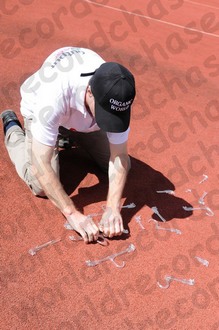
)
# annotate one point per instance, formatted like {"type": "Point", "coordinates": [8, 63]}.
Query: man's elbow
{"type": "Point", "coordinates": [122, 163]}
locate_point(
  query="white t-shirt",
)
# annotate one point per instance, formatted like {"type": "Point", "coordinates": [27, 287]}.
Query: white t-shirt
{"type": "Point", "coordinates": [54, 95]}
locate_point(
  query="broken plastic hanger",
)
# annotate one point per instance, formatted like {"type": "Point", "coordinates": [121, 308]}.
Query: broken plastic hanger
{"type": "Point", "coordinates": [37, 248]}
{"type": "Point", "coordinates": [169, 279]}
{"type": "Point", "coordinates": [91, 263]}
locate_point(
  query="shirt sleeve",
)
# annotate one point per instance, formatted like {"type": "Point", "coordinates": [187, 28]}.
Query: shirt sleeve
{"type": "Point", "coordinates": [118, 138]}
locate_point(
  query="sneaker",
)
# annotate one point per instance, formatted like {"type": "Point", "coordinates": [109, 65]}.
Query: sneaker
{"type": "Point", "coordinates": [8, 116]}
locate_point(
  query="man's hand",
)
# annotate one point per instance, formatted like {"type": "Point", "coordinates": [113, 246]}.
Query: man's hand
{"type": "Point", "coordinates": [84, 225]}
{"type": "Point", "coordinates": [111, 223]}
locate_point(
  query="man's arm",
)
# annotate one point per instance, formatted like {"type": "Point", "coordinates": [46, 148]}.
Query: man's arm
{"type": "Point", "coordinates": [111, 223]}
{"type": "Point", "coordinates": [41, 159]}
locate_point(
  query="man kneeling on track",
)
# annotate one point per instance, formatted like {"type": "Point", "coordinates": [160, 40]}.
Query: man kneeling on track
{"type": "Point", "coordinates": [74, 91]}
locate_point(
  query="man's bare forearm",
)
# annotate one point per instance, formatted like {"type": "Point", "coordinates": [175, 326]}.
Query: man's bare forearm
{"type": "Point", "coordinates": [55, 192]}
{"type": "Point", "coordinates": [118, 170]}
{"type": "Point", "coordinates": [42, 169]}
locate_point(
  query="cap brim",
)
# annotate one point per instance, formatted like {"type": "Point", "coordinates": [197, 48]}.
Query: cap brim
{"type": "Point", "coordinates": [116, 122]}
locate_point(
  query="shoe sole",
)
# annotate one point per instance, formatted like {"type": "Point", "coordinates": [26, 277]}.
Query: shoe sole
{"type": "Point", "coordinates": [5, 111]}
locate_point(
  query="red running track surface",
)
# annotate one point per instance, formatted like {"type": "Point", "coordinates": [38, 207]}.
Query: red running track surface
{"type": "Point", "coordinates": [172, 49]}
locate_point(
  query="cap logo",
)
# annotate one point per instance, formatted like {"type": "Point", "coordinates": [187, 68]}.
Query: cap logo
{"type": "Point", "coordinates": [119, 105]}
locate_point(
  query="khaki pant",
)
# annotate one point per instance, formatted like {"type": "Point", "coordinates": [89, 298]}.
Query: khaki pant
{"type": "Point", "coordinates": [19, 146]}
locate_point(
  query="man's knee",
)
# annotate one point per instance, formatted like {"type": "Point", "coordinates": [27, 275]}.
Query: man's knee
{"type": "Point", "coordinates": [33, 184]}
{"type": "Point", "coordinates": [37, 191]}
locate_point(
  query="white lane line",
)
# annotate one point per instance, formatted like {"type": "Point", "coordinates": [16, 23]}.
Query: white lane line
{"type": "Point", "coordinates": [153, 19]}
{"type": "Point", "coordinates": [201, 4]}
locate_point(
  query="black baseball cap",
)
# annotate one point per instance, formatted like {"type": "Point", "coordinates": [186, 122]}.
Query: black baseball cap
{"type": "Point", "coordinates": [113, 87]}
